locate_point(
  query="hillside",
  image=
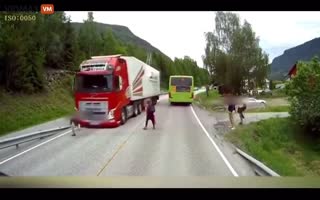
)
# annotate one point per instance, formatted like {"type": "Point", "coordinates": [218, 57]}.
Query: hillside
{"type": "Point", "coordinates": [20, 110]}
{"type": "Point", "coordinates": [282, 64]}
{"type": "Point", "coordinates": [124, 34]}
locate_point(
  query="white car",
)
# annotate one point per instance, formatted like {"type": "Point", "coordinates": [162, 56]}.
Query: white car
{"type": "Point", "coordinates": [256, 101]}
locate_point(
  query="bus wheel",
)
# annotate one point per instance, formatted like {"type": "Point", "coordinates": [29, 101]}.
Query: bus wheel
{"type": "Point", "coordinates": [123, 116]}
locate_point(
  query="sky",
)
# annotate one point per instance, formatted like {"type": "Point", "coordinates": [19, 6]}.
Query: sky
{"type": "Point", "coordinates": [178, 34]}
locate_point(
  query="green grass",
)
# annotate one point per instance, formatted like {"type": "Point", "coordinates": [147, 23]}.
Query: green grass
{"type": "Point", "coordinates": [21, 111]}
{"type": "Point", "coordinates": [281, 145]}
{"type": "Point", "coordinates": [208, 102]}
{"type": "Point", "coordinates": [270, 109]}
{"type": "Point", "coordinates": [276, 93]}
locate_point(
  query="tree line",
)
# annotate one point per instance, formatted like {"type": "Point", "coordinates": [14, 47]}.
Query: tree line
{"type": "Point", "coordinates": [233, 55]}
{"type": "Point", "coordinates": [27, 49]}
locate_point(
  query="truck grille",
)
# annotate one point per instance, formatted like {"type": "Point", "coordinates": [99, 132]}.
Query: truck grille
{"type": "Point", "coordinates": [93, 110]}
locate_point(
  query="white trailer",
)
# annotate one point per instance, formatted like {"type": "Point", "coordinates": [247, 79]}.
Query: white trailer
{"type": "Point", "coordinates": [144, 80]}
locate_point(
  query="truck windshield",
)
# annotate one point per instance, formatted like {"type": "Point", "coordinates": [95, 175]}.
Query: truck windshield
{"type": "Point", "coordinates": [94, 83]}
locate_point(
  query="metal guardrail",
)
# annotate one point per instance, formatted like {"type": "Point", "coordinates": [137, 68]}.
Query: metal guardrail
{"type": "Point", "coordinates": [15, 141]}
{"type": "Point", "coordinates": [257, 163]}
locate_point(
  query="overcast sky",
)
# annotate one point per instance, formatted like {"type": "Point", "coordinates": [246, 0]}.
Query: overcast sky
{"type": "Point", "coordinates": [182, 33]}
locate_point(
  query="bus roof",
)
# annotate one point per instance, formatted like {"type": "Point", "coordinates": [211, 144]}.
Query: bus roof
{"type": "Point", "coordinates": [181, 76]}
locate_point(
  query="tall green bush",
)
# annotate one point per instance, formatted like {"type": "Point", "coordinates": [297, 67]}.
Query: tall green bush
{"type": "Point", "coordinates": [304, 95]}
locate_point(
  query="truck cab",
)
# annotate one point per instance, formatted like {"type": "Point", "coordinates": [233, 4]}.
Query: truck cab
{"type": "Point", "coordinates": [100, 92]}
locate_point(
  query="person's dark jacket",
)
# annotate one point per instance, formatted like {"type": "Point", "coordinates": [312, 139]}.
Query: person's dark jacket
{"type": "Point", "coordinates": [150, 109]}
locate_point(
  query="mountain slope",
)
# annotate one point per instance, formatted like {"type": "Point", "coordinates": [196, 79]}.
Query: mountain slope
{"type": "Point", "coordinates": [282, 64]}
{"type": "Point", "coordinates": [124, 34]}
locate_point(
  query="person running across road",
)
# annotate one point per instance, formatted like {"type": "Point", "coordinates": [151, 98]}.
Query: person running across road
{"type": "Point", "coordinates": [150, 110]}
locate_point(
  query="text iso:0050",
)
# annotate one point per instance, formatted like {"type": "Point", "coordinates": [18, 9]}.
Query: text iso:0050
{"type": "Point", "coordinates": [20, 18]}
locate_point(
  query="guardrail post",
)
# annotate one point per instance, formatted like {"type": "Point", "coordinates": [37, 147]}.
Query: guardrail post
{"type": "Point", "coordinates": [17, 146]}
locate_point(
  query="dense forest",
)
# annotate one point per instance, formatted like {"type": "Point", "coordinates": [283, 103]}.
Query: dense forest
{"type": "Point", "coordinates": [282, 64]}
{"type": "Point", "coordinates": [29, 49]}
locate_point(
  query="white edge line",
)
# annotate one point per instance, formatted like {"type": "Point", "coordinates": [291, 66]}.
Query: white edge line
{"type": "Point", "coordinates": [38, 145]}
{"type": "Point", "coordinates": [215, 145]}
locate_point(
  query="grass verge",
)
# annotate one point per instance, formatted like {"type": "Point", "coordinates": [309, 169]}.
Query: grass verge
{"type": "Point", "coordinates": [281, 145]}
{"type": "Point", "coordinates": [20, 111]}
{"type": "Point", "coordinates": [209, 102]}
{"type": "Point", "coordinates": [270, 109]}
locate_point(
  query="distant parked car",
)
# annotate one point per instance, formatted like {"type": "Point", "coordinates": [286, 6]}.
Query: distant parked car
{"type": "Point", "coordinates": [266, 91]}
{"type": "Point", "coordinates": [196, 88]}
{"type": "Point", "coordinates": [256, 102]}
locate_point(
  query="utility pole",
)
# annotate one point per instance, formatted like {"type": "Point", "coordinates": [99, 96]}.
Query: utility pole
{"type": "Point", "coordinates": [149, 59]}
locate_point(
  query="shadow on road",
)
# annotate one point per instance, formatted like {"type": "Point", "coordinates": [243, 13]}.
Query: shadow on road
{"type": "Point", "coordinates": [181, 104]}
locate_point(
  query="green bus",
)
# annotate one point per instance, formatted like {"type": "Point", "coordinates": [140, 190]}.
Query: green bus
{"type": "Point", "coordinates": [181, 89]}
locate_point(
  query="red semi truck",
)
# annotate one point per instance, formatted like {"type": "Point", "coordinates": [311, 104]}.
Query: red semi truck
{"type": "Point", "coordinates": [110, 89]}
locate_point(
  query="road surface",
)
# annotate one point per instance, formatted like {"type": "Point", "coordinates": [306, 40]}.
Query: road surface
{"type": "Point", "coordinates": [183, 144]}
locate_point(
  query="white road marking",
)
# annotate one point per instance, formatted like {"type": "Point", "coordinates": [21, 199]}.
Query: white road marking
{"type": "Point", "coordinates": [38, 145]}
{"type": "Point", "coordinates": [215, 145]}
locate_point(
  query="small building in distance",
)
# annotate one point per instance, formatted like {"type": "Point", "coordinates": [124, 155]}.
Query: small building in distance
{"type": "Point", "coordinates": [293, 71]}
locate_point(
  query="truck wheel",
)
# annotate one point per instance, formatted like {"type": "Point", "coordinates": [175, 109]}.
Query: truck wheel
{"type": "Point", "coordinates": [135, 110]}
{"type": "Point", "coordinates": [139, 108]}
{"type": "Point", "coordinates": [123, 116]}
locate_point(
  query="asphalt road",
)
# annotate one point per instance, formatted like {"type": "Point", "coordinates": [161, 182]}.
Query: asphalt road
{"type": "Point", "coordinates": [180, 146]}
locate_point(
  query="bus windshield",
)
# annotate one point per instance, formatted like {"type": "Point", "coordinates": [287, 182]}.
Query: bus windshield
{"type": "Point", "coordinates": [182, 84]}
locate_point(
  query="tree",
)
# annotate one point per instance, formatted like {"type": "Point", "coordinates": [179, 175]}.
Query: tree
{"type": "Point", "coordinates": [90, 41]}
{"type": "Point", "coordinates": [232, 53]}
{"type": "Point", "coordinates": [70, 47]}
{"type": "Point", "coordinates": [22, 59]}
{"type": "Point", "coordinates": [304, 95]}
{"type": "Point", "coordinates": [188, 66]}
{"type": "Point", "coordinates": [111, 45]}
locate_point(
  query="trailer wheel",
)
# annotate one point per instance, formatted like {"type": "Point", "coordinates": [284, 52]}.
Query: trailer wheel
{"type": "Point", "coordinates": [123, 116]}
{"type": "Point", "coordinates": [139, 108]}
{"type": "Point", "coordinates": [135, 110]}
